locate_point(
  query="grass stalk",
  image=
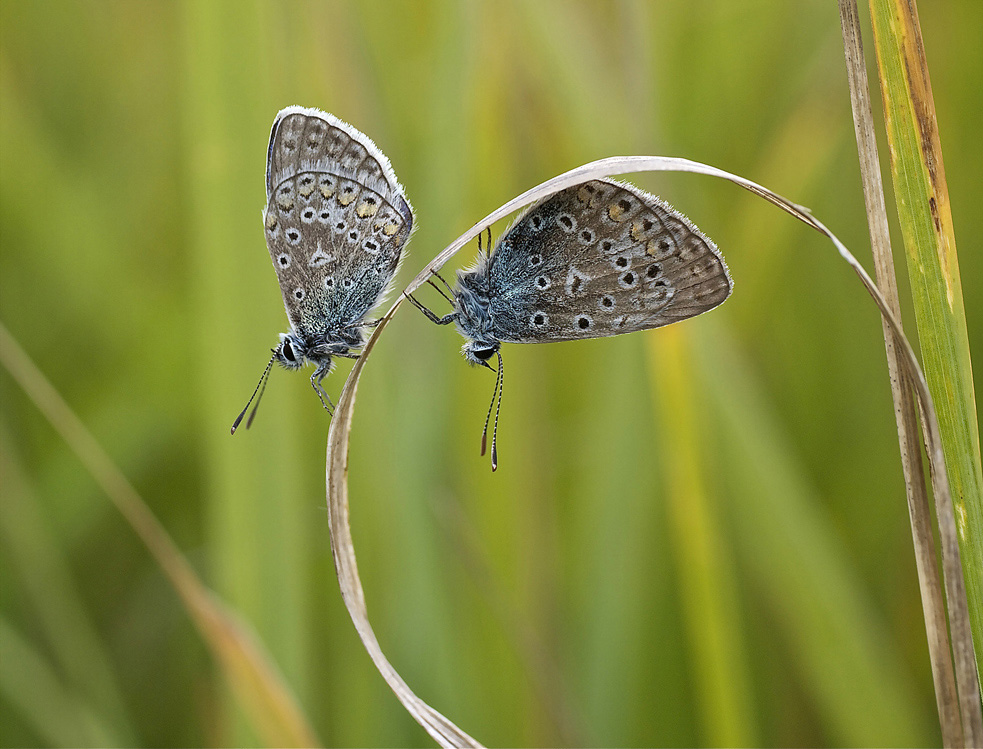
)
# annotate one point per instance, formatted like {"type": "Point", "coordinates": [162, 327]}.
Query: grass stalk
{"type": "Point", "coordinates": [905, 412]}
{"type": "Point", "coordinates": [922, 197]}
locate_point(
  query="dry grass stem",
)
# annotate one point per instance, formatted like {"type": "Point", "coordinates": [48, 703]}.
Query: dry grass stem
{"type": "Point", "coordinates": [439, 727]}
{"type": "Point", "coordinates": [905, 413]}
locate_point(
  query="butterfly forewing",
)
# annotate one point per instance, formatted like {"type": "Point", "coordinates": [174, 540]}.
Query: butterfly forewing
{"type": "Point", "coordinates": [336, 220]}
{"type": "Point", "coordinates": [599, 259]}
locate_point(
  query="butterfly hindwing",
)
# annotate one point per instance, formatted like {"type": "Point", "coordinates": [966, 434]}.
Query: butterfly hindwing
{"type": "Point", "coordinates": [599, 259]}
{"type": "Point", "coordinates": [336, 220]}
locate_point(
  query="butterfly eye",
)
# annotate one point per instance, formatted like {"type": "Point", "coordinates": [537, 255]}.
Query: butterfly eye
{"type": "Point", "coordinates": [484, 353]}
{"type": "Point", "coordinates": [288, 352]}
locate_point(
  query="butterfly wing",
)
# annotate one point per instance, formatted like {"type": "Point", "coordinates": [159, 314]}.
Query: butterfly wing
{"type": "Point", "coordinates": [336, 220]}
{"type": "Point", "coordinates": [599, 259]}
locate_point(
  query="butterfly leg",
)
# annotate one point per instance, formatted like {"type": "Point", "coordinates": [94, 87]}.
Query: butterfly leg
{"type": "Point", "coordinates": [361, 324]}
{"type": "Point", "coordinates": [446, 319]}
{"type": "Point", "coordinates": [321, 393]}
{"type": "Point", "coordinates": [430, 281]}
{"type": "Point", "coordinates": [487, 245]}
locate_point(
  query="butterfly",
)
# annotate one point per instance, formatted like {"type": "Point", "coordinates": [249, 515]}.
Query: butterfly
{"type": "Point", "coordinates": [597, 259]}
{"type": "Point", "coordinates": [336, 222]}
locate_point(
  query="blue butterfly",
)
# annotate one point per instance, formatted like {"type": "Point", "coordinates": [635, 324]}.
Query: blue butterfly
{"type": "Point", "coordinates": [598, 259]}
{"type": "Point", "coordinates": [336, 222]}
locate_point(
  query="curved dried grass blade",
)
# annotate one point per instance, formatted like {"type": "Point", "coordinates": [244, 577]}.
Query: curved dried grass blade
{"type": "Point", "coordinates": [436, 724]}
{"type": "Point", "coordinates": [443, 731]}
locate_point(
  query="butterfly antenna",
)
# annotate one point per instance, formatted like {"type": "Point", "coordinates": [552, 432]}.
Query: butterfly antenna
{"type": "Point", "coordinates": [252, 414]}
{"type": "Point", "coordinates": [262, 382]}
{"type": "Point", "coordinates": [499, 385]}
{"type": "Point", "coordinates": [498, 407]}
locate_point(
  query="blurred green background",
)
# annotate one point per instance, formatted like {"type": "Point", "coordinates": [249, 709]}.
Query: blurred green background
{"type": "Point", "coordinates": [697, 536]}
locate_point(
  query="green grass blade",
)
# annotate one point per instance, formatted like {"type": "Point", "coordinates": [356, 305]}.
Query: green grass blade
{"type": "Point", "coordinates": [708, 586]}
{"type": "Point", "coordinates": [840, 648]}
{"type": "Point", "coordinates": [227, 112]}
{"type": "Point", "coordinates": [906, 415]}
{"type": "Point", "coordinates": [927, 228]}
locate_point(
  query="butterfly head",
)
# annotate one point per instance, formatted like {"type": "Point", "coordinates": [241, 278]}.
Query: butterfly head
{"type": "Point", "coordinates": [292, 351]}
{"type": "Point", "coordinates": [479, 352]}
{"type": "Point", "coordinates": [473, 317]}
